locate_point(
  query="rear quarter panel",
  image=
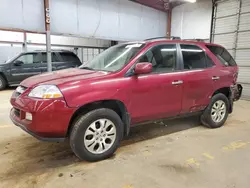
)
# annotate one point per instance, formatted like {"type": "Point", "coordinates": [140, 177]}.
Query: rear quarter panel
{"type": "Point", "coordinates": [226, 74]}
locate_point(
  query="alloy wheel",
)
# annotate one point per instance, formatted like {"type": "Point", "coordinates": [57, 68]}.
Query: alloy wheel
{"type": "Point", "coordinates": [100, 136]}
{"type": "Point", "coordinates": [218, 111]}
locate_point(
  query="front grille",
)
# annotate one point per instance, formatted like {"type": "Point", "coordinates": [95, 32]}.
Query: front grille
{"type": "Point", "coordinates": [17, 112]}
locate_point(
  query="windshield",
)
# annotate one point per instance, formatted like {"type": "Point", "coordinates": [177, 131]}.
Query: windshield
{"type": "Point", "coordinates": [114, 58]}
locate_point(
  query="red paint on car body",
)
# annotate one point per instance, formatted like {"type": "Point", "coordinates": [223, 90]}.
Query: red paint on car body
{"type": "Point", "coordinates": [146, 96]}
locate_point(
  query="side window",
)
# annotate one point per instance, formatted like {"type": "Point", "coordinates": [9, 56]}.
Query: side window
{"type": "Point", "coordinates": [222, 55]}
{"type": "Point", "coordinates": [53, 57]}
{"type": "Point", "coordinates": [26, 58]}
{"type": "Point", "coordinates": [162, 57]}
{"type": "Point", "coordinates": [210, 62]}
{"type": "Point", "coordinates": [44, 57]}
{"type": "Point", "coordinates": [148, 57]}
{"type": "Point", "coordinates": [69, 57]}
{"type": "Point", "coordinates": [193, 57]}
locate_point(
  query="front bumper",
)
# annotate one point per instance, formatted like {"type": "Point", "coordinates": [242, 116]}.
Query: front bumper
{"type": "Point", "coordinates": [50, 118]}
{"type": "Point", "coordinates": [23, 127]}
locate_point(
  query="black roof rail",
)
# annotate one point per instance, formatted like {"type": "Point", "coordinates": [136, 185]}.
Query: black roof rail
{"type": "Point", "coordinates": [53, 50]}
{"type": "Point", "coordinates": [175, 38]}
{"type": "Point", "coordinates": [171, 38]}
{"type": "Point", "coordinates": [198, 40]}
{"type": "Point", "coordinates": [156, 38]}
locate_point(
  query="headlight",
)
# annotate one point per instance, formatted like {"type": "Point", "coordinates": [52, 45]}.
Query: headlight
{"type": "Point", "coordinates": [46, 92]}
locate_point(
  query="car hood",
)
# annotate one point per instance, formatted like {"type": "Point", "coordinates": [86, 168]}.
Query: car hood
{"type": "Point", "coordinates": [62, 76]}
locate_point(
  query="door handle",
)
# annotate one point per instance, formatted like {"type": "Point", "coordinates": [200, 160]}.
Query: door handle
{"type": "Point", "coordinates": [177, 82]}
{"type": "Point", "coordinates": [215, 78]}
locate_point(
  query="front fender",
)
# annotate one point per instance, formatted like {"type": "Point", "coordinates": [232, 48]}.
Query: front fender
{"type": "Point", "coordinates": [94, 96]}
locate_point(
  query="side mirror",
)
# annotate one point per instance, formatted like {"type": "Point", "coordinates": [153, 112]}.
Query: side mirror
{"type": "Point", "coordinates": [18, 63]}
{"type": "Point", "coordinates": [143, 68]}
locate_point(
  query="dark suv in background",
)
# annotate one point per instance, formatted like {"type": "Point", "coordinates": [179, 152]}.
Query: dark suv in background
{"type": "Point", "coordinates": [27, 64]}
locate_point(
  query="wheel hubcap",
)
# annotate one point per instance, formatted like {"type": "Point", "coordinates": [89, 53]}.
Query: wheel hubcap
{"type": "Point", "coordinates": [218, 111]}
{"type": "Point", "coordinates": [1, 83]}
{"type": "Point", "coordinates": [100, 136]}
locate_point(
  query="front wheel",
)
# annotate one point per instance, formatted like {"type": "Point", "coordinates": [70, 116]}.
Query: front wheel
{"type": "Point", "coordinates": [96, 135]}
{"type": "Point", "coordinates": [216, 113]}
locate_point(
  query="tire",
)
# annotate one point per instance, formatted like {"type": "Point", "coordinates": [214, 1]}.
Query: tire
{"type": "Point", "coordinates": [208, 118]}
{"type": "Point", "coordinates": [85, 130]}
{"type": "Point", "coordinates": [3, 83]}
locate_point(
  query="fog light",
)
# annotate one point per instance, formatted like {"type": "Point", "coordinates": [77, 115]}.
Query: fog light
{"type": "Point", "coordinates": [28, 116]}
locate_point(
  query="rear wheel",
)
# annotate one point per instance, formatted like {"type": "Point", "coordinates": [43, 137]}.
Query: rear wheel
{"type": "Point", "coordinates": [216, 113]}
{"type": "Point", "coordinates": [96, 135]}
{"type": "Point", "coordinates": [3, 83]}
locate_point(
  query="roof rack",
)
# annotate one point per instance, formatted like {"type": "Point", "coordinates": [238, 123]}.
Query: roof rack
{"type": "Point", "coordinates": [53, 50]}
{"type": "Point", "coordinates": [198, 40]}
{"type": "Point", "coordinates": [171, 38]}
{"type": "Point", "coordinates": [176, 38]}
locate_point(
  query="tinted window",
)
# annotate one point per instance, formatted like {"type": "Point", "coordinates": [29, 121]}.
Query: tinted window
{"type": "Point", "coordinates": [53, 57]}
{"type": "Point", "coordinates": [69, 57]}
{"type": "Point", "coordinates": [162, 57]}
{"type": "Point", "coordinates": [30, 58]}
{"type": "Point", "coordinates": [193, 57]}
{"type": "Point", "coordinates": [222, 55]}
{"type": "Point", "coordinates": [210, 62]}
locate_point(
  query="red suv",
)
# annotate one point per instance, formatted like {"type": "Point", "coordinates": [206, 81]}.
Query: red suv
{"type": "Point", "coordinates": [96, 104]}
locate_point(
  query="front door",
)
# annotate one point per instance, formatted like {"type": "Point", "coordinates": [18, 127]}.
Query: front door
{"type": "Point", "coordinates": [29, 64]}
{"type": "Point", "coordinates": [158, 94]}
{"type": "Point", "coordinates": [198, 85]}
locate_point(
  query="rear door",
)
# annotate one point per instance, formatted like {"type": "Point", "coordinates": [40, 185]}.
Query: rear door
{"type": "Point", "coordinates": [228, 72]}
{"type": "Point", "coordinates": [30, 66]}
{"type": "Point", "coordinates": [198, 80]}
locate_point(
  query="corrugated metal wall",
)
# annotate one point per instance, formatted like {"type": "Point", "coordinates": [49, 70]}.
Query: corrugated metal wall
{"type": "Point", "coordinates": [232, 30]}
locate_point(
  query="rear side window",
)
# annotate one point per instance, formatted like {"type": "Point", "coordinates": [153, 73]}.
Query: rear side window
{"type": "Point", "coordinates": [68, 57]}
{"type": "Point", "coordinates": [193, 57]}
{"type": "Point", "coordinates": [53, 57]}
{"type": "Point", "coordinates": [222, 55]}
